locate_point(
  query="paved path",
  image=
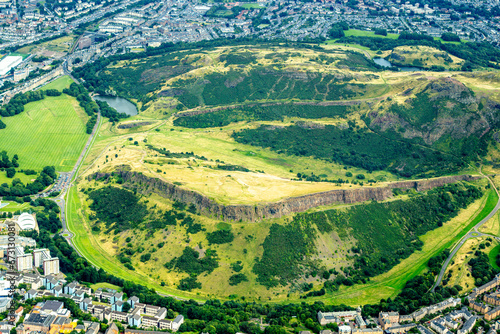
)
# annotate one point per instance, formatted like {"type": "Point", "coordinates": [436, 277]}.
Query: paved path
{"type": "Point", "coordinates": [473, 233]}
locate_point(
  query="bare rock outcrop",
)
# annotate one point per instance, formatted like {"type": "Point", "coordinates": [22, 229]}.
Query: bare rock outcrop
{"type": "Point", "coordinates": [147, 185]}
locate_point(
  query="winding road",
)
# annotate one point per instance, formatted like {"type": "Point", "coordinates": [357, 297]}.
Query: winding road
{"type": "Point", "coordinates": [473, 233]}
{"type": "Point", "coordinates": [60, 201]}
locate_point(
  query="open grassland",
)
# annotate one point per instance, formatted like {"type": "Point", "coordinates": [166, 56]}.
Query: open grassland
{"type": "Point", "coordinates": [59, 84]}
{"type": "Point", "coordinates": [50, 132]}
{"type": "Point", "coordinates": [459, 267]}
{"type": "Point", "coordinates": [269, 179]}
{"type": "Point", "coordinates": [180, 80]}
{"type": "Point", "coordinates": [90, 248]}
{"type": "Point", "coordinates": [390, 284]}
{"type": "Point", "coordinates": [61, 44]}
{"type": "Point", "coordinates": [423, 56]}
{"type": "Point", "coordinates": [492, 226]}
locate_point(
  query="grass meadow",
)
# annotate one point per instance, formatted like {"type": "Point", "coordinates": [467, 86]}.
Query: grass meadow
{"type": "Point", "coordinates": [59, 83]}
{"type": "Point", "coordinates": [50, 132]}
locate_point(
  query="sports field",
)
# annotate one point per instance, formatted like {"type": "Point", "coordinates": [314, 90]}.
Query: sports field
{"type": "Point", "coordinates": [50, 132]}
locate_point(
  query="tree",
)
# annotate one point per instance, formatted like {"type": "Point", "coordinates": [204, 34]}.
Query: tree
{"type": "Point", "coordinates": [11, 172]}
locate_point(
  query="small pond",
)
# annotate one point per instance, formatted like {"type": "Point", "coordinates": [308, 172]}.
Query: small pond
{"type": "Point", "coordinates": [383, 62]}
{"type": "Point", "coordinates": [120, 104]}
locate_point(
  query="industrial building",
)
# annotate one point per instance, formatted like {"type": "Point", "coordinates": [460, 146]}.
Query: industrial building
{"type": "Point", "coordinates": [9, 62]}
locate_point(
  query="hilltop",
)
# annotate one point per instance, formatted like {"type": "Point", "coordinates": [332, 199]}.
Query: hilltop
{"type": "Point", "coordinates": [254, 170]}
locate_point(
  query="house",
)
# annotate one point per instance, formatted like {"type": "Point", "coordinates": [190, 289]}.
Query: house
{"type": "Point", "coordinates": [164, 324]}
{"type": "Point", "coordinates": [118, 316]}
{"type": "Point", "coordinates": [37, 322]}
{"type": "Point", "coordinates": [479, 307]}
{"type": "Point", "coordinates": [325, 318]}
{"type": "Point", "coordinates": [93, 328]}
{"type": "Point", "coordinates": [70, 288]}
{"type": "Point", "coordinates": [113, 329]}
{"type": "Point", "coordinates": [140, 307]}
{"type": "Point", "coordinates": [152, 310]}
{"type": "Point", "coordinates": [400, 328]}
{"type": "Point", "coordinates": [492, 314]}
{"type": "Point", "coordinates": [161, 314]}
{"type": "Point", "coordinates": [116, 297]}
{"type": "Point", "coordinates": [343, 329]}
{"type": "Point", "coordinates": [4, 304]}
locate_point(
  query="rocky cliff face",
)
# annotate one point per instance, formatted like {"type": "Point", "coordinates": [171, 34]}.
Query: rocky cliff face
{"type": "Point", "coordinates": [147, 185]}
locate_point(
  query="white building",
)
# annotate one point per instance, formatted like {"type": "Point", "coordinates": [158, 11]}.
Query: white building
{"type": "Point", "coordinates": [51, 266]}
{"type": "Point", "coordinates": [26, 221]}
{"type": "Point", "coordinates": [343, 329]}
{"type": "Point", "coordinates": [24, 262]}
{"type": "Point", "coordinates": [9, 62]}
{"type": "Point", "coordinates": [40, 255]}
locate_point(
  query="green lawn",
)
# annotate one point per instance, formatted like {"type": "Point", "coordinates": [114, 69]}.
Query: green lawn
{"type": "Point", "coordinates": [14, 206]}
{"type": "Point", "coordinates": [363, 33]}
{"type": "Point", "coordinates": [448, 42]}
{"type": "Point", "coordinates": [59, 84]}
{"type": "Point", "coordinates": [493, 256]}
{"type": "Point", "coordinates": [105, 286]}
{"type": "Point", "coordinates": [24, 55]}
{"type": "Point", "coordinates": [21, 176]}
{"type": "Point", "coordinates": [50, 132]}
{"type": "Point", "coordinates": [251, 5]}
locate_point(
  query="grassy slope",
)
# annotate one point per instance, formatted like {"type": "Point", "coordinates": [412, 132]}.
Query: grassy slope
{"type": "Point", "coordinates": [213, 144]}
{"type": "Point", "coordinates": [61, 44]}
{"type": "Point", "coordinates": [459, 266]}
{"type": "Point", "coordinates": [86, 244]}
{"type": "Point", "coordinates": [105, 286]}
{"type": "Point", "coordinates": [48, 132]}
{"type": "Point", "coordinates": [493, 255]}
{"type": "Point", "coordinates": [382, 286]}
{"type": "Point", "coordinates": [390, 283]}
